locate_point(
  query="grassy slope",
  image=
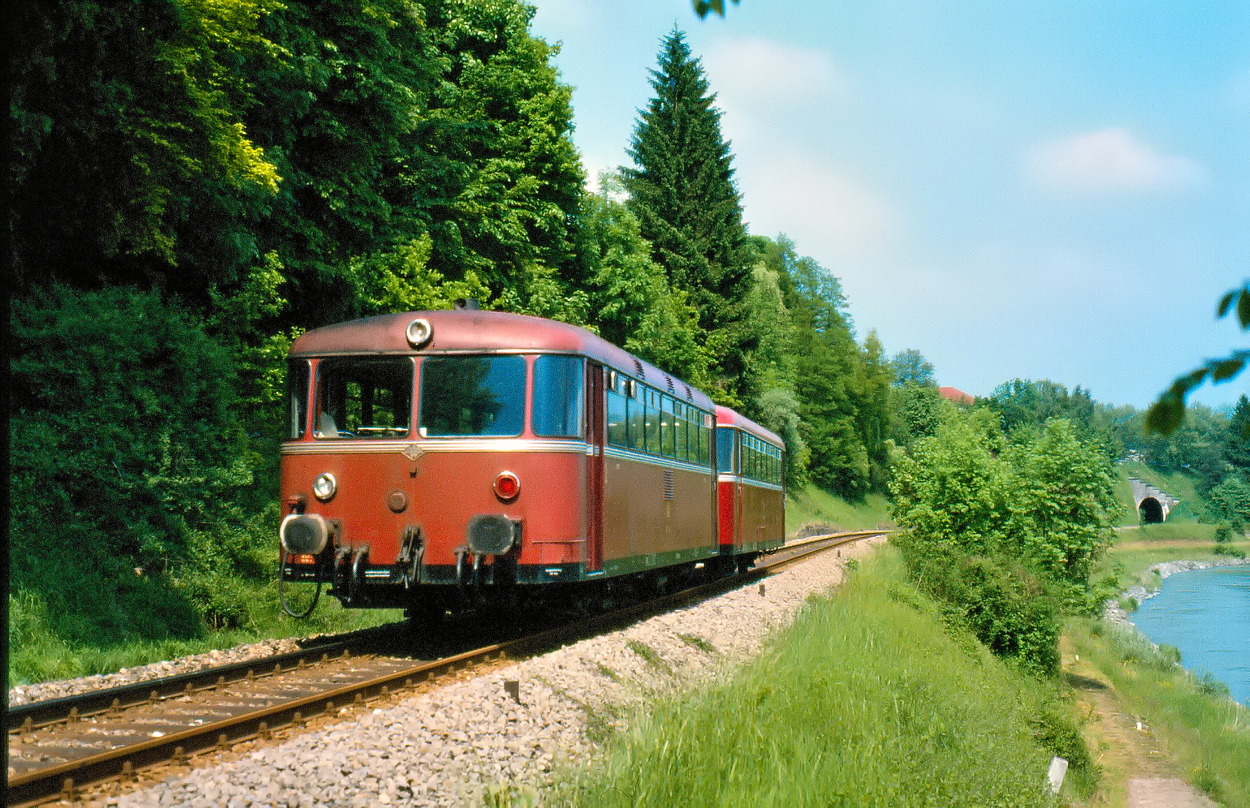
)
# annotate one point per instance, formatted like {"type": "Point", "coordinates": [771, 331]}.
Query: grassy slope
{"type": "Point", "coordinates": [811, 507]}
{"type": "Point", "coordinates": [866, 700]}
{"type": "Point", "coordinates": [1176, 484]}
{"type": "Point", "coordinates": [37, 654]}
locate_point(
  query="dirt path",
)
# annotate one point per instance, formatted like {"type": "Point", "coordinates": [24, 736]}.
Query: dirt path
{"type": "Point", "coordinates": [1124, 743]}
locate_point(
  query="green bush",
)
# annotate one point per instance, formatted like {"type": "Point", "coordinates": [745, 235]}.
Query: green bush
{"type": "Point", "coordinates": [124, 450]}
{"type": "Point", "coordinates": [1058, 734]}
{"type": "Point", "coordinates": [1004, 605]}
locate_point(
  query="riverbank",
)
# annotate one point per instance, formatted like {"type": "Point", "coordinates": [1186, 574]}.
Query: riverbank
{"type": "Point", "coordinates": [1152, 723]}
{"type": "Point", "coordinates": [1115, 609]}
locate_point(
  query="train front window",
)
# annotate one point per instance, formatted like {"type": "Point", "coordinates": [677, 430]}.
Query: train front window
{"type": "Point", "coordinates": [558, 396]}
{"type": "Point", "coordinates": [363, 397]}
{"type": "Point", "coordinates": [296, 398]}
{"type": "Point", "coordinates": [471, 396]}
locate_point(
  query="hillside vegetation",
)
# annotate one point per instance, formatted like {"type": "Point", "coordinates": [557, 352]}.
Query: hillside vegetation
{"type": "Point", "coordinates": [193, 185]}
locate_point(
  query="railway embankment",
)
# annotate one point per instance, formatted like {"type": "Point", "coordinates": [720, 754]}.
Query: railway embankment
{"type": "Point", "coordinates": [473, 741]}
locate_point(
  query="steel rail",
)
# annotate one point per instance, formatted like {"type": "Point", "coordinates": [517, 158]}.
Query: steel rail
{"type": "Point", "coordinates": [64, 780]}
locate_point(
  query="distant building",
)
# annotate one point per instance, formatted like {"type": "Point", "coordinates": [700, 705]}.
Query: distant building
{"type": "Point", "coordinates": [956, 395]}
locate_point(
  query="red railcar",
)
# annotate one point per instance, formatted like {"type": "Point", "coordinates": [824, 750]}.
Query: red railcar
{"type": "Point", "coordinates": [437, 456]}
{"type": "Point", "coordinates": [750, 462]}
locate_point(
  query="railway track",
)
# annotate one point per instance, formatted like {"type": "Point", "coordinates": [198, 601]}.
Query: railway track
{"type": "Point", "coordinates": [59, 747]}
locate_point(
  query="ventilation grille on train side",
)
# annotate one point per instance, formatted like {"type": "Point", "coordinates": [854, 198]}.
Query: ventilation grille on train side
{"type": "Point", "coordinates": [668, 484]}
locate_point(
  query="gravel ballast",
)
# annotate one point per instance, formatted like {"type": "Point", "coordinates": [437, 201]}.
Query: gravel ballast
{"type": "Point", "coordinates": [451, 745]}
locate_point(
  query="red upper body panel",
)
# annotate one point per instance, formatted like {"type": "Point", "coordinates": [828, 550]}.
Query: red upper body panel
{"type": "Point", "coordinates": [728, 417]}
{"type": "Point", "coordinates": [471, 331]}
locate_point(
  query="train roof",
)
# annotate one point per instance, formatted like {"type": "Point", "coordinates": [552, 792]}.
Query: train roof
{"type": "Point", "coordinates": [728, 417]}
{"type": "Point", "coordinates": [475, 331]}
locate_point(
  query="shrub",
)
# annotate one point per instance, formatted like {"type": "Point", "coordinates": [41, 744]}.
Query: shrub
{"type": "Point", "coordinates": [1059, 735]}
{"type": "Point", "coordinates": [1007, 607]}
{"type": "Point", "coordinates": [124, 449]}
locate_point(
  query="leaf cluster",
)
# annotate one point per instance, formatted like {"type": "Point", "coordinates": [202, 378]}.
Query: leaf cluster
{"type": "Point", "coordinates": [1167, 413]}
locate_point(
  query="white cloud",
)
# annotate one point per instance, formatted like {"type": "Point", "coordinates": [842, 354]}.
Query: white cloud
{"type": "Point", "coordinates": [762, 72]}
{"type": "Point", "coordinates": [815, 204]}
{"type": "Point", "coordinates": [1109, 161]}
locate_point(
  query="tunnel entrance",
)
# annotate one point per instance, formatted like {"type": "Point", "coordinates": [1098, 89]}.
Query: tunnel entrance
{"type": "Point", "coordinates": [1151, 511]}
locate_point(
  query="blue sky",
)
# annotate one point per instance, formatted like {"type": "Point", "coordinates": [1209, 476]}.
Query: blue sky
{"type": "Point", "coordinates": [1054, 189]}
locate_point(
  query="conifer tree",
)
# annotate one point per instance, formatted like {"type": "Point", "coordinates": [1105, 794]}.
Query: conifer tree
{"type": "Point", "coordinates": [682, 191]}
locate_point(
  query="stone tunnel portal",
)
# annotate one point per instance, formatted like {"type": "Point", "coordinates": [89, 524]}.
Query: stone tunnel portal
{"type": "Point", "coordinates": [1151, 511]}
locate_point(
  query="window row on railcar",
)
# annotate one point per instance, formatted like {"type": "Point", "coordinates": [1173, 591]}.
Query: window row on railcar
{"type": "Point", "coordinates": [460, 396]}
{"type": "Point", "coordinates": [646, 420]}
{"type": "Point", "coordinates": [761, 461]}
{"type": "Point", "coordinates": [755, 459]}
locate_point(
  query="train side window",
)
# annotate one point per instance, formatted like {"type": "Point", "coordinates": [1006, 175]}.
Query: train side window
{"type": "Point", "coordinates": [618, 420]}
{"type": "Point", "coordinates": [651, 420]}
{"type": "Point", "coordinates": [558, 396]}
{"type": "Point", "coordinates": [466, 396]}
{"type": "Point", "coordinates": [296, 398]}
{"type": "Point", "coordinates": [668, 428]}
{"type": "Point", "coordinates": [725, 450]}
{"type": "Point", "coordinates": [682, 424]}
{"type": "Point", "coordinates": [635, 422]}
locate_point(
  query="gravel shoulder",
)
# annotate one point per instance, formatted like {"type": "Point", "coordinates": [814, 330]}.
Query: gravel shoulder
{"type": "Point", "coordinates": [454, 745]}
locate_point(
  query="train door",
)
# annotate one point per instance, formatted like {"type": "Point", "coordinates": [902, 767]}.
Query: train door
{"type": "Point", "coordinates": [596, 437]}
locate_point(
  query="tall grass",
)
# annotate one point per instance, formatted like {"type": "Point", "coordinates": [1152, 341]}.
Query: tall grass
{"type": "Point", "coordinates": [1207, 733]}
{"type": "Point", "coordinates": [37, 652]}
{"type": "Point", "coordinates": [867, 700]}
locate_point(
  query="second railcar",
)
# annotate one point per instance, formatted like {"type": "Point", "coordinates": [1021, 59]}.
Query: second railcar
{"type": "Point", "coordinates": [750, 462]}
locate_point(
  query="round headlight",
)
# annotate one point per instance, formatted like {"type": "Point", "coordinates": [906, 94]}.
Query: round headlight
{"type": "Point", "coordinates": [324, 486]}
{"type": "Point", "coordinates": [419, 332]}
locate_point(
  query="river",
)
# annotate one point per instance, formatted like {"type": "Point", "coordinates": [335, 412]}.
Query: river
{"type": "Point", "coordinates": [1206, 614]}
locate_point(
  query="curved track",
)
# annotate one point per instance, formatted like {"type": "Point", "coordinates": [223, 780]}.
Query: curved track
{"type": "Point", "coordinates": [57, 747]}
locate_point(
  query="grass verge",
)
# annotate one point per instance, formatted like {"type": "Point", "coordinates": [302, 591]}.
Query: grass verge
{"type": "Point", "coordinates": [1205, 734]}
{"type": "Point", "coordinates": [868, 699]}
{"type": "Point", "coordinates": [811, 505]}
{"type": "Point", "coordinates": [38, 653]}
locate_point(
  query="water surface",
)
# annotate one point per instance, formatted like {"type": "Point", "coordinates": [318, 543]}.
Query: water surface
{"type": "Point", "coordinates": [1206, 614]}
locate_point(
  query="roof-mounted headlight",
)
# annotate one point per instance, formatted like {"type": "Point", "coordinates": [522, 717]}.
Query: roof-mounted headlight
{"type": "Point", "coordinates": [419, 332]}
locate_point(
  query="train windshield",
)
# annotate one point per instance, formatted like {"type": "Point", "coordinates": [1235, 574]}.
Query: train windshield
{"type": "Point", "coordinates": [558, 396]}
{"type": "Point", "coordinates": [470, 396]}
{"type": "Point", "coordinates": [296, 398]}
{"type": "Point", "coordinates": [364, 397]}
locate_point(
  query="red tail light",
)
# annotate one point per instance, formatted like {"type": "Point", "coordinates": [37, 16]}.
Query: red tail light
{"type": "Point", "coordinates": [507, 486]}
